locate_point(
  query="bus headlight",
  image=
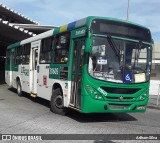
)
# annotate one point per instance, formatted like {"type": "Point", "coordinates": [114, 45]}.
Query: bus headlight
{"type": "Point", "coordinates": [94, 93]}
{"type": "Point", "coordinates": [141, 97]}
{"type": "Point", "coordinates": [98, 96]}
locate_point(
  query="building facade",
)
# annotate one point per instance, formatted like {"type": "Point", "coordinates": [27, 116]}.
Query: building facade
{"type": "Point", "coordinates": [155, 74]}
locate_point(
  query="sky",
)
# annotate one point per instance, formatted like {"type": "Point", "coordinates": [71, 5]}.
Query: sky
{"type": "Point", "coordinates": [60, 12]}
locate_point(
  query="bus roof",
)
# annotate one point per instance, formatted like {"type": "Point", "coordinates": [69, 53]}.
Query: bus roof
{"type": "Point", "coordinates": [67, 27]}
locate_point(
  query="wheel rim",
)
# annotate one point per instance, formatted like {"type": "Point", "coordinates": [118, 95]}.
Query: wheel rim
{"type": "Point", "coordinates": [58, 101]}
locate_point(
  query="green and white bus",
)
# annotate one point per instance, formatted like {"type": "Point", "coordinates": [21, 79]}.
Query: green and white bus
{"type": "Point", "coordinates": [93, 65]}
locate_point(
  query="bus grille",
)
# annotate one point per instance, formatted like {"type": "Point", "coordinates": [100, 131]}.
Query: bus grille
{"type": "Point", "coordinates": [115, 90]}
{"type": "Point", "coordinates": [113, 98]}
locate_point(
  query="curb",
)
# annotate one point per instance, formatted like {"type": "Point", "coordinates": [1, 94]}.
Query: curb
{"type": "Point", "coordinates": [153, 107]}
{"type": "Point", "coordinates": [152, 103]}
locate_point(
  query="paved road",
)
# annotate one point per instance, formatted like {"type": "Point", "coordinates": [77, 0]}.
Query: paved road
{"type": "Point", "coordinates": [25, 115]}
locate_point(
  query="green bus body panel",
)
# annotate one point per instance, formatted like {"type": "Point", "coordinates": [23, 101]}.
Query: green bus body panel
{"type": "Point", "coordinates": [90, 105]}
{"type": "Point", "coordinates": [56, 31]}
{"type": "Point", "coordinates": [15, 68]}
{"type": "Point", "coordinates": [54, 70]}
{"type": "Point", "coordinates": [80, 32]}
{"type": "Point", "coordinates": [90, 18]}
{"type": "Point", "coordinates": [7, 67]}
{"type": "Point", "coordinates": [14, 45]}
{"type": "Point", "coordinates": [12, 68]}
{"type": "Point", "coordinates": [70, 60]}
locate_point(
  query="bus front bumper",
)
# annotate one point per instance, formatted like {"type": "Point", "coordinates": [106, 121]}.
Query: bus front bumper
{"type": "Point", "coordinates": [90, 105]}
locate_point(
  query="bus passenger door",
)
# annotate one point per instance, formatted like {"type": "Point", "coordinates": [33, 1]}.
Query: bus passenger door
{"type": "Point", "coordinates": [78, 57]}
{"type": "Point", "coordinates": [34, 71]}
{"type": "Point", "coordinates": [35, 46]}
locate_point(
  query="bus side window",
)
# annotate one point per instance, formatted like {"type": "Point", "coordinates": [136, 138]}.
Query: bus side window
{"type": "Point", "coordinates": [61, 49]}
{"type": "Point", "coordinates": [46, 49]}
{"type": "Point", "coordinates": [8, 58]}
{"type": "Point", "coordinates": [26, 54]}
{"type": "Point", "coordinates": [18, 55]}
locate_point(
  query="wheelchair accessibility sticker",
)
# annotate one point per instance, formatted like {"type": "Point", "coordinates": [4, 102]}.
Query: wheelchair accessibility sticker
{"type": "Point", "coordinates": [128, 77]}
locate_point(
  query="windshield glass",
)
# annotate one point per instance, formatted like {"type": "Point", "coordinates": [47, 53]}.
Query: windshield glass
{"type": "Point", "coordinates": [119, 60]}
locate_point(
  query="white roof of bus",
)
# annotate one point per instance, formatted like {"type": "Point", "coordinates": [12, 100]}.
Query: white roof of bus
{"type": "Point", "coordinates": [37, 37]}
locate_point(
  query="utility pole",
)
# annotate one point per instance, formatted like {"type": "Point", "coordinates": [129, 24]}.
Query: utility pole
{"type": "Point", "coordinates": [128, 8]}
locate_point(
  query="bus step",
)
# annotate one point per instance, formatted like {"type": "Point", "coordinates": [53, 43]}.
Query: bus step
{"type": "Point", "coordinates": [33, 95]}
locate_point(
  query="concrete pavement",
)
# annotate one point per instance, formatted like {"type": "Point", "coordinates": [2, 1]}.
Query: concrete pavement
{"type": "Point", "coordinates": [24, 115]}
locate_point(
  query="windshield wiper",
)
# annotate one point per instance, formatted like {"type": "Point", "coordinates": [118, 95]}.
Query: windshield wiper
{"type": "Point", "coordinates": [113, 46]}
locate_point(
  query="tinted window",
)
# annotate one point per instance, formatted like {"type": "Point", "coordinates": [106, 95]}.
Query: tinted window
{"type": "Point", "coordinates": [46, 48]}
{"type": "Point", "coordinates": [8, 58]}
{"type": "Point", "coordinates": [18, 55]}
{"type": "Point", "coordinates": [26, 53]}
{"type": "Point", "coordinates": [61, 49]}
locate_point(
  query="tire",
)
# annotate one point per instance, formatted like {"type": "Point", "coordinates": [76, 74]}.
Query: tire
{"type": "Point", "coordinates": [19, 88]}
{"type": "Point", "coordinates": [56, 102]}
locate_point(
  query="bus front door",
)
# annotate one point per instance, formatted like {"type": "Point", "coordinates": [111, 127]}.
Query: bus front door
{"type": "Point", "coordinates": [77, 64]}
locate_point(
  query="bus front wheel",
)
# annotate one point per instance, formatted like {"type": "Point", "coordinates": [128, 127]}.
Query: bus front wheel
{"type": "Point", "coordinates": [57, 102]}
{"type": "Point", "coordinates": [19, 88]}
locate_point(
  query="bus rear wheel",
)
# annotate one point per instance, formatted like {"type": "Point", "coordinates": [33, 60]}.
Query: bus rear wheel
{"type": "Point", "coordinates": [19, 88]}
{"type": "Point", "coordinates": [56, 102]}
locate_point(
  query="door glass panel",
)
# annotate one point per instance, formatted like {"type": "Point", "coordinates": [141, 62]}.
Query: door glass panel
{"type": "Point", "coordinates": [79, 72]}
{"type": "Point", "coordinates": [36, 59]}
{"type": "Point", "coordinates": [78, 58]}
{"type": "Point", "coordinates": [74, 68]}
{"type": "Point", "coordinates": [81, 55]}
{"type": "Point", "coordinates": [34, 69]}
{"type": "Point", "coordinates": [75, 56]}
{"type": "Point", "coordinates": [78, 92]}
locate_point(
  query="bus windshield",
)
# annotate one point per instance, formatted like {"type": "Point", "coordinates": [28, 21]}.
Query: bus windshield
{"type": "Point", "coordinates": [114, 59]}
